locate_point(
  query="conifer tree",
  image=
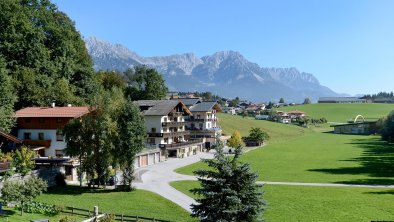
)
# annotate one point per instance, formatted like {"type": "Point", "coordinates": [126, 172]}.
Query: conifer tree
{"type": "Point", "coordinates": [228, 190]}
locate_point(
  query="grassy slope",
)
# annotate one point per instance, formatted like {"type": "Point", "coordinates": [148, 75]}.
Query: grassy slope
{"type": "Point", "coordinates": [302, 155]}
{"type": "Point", "coordinates": [139, 202]}
{"type": "Point", "coordinates": [277, 132]}
{"type": "Point", "coordinates": [343, 112]}
{"type": "Point", "coordinates": [295, 203]}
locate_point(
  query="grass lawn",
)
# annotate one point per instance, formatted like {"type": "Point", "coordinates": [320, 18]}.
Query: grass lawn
{"type": "Point", "coordinates": [13, 215]}
{"type": "Point", "coordinates": [277, 132]}
{"type": "Point", "coordinates": [343, 112]}
{"type": "Point", "coordinates": [138, 202]}
{"type": "Point", "coordinates": [301, 203]}
{"type": "Point", "coordinates": [321, 157]}
{"type": "Point", "coordinates": [306, 155]}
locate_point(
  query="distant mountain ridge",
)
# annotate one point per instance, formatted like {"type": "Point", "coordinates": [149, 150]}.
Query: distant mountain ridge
{"type": "Point", "coordinates": [226, 73]}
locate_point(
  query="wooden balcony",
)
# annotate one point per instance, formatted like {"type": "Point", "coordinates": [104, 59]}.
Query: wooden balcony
{"type": "Point", "coordinates": [173, 123]}
{"type": "Point", "coordinates": [174, 114]}
{"type": "Point", "coordinates": [44, 143]}
{"type": "Point", "coordinates": [169, 134]}
{"type": "Point", "coordinates": [181, 144]}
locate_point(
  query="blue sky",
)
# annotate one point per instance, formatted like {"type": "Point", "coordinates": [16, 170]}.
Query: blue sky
{"type": "Point", "coordinates": [347, 44]}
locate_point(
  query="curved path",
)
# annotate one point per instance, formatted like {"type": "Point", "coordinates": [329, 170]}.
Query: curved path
{"type": "Point", "coordinates": [156, 178]}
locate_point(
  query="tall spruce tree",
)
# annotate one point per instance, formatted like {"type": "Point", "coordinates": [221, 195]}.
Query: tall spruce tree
{"type": "Point", "coordinates": [228, 190]}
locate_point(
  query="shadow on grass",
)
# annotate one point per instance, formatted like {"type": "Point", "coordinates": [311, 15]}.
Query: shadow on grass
{"type": "Point", "coordinates": [8, 213]}
{"type": "Point", "coordinates": [76, 190]}
{"type": "Point", "coordinates": [382, 192]}
{"type": "Point", "coordinates": [377, 160]}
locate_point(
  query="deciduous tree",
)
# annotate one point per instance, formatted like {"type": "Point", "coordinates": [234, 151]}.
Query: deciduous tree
{"type": "Point", "coordinates": [23, 161]}
{"type": "Point", "coordinates": [41, 46]}
{"type": "Point", "coordinates": [7, 99]}
{"type": "Point", "coordinates": [256, 134]}
{"type": "Point", "coordinates": [235, 139]}
{"type": "Point", "coordinates": [145, 83]}
{"type": "Point", "coordinates": [387, 130]}
{"type": "Point", "coordinates": [23, 192]}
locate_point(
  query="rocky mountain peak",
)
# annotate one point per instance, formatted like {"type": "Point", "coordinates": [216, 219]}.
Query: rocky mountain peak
{"type": "Point", "coordinates": [226, 73]}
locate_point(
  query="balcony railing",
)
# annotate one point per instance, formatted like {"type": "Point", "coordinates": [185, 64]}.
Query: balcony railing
{"type": "Point", "coordinates": [168, 134]}
{"type": "Point", "coordinates": [181, 144]}
{"type": "Point", "coordinates": [203, 120]}
{"type": "Point", "coordinates": [175, 114]}
{"type": "Point", "coordinates": [173, 123]}
{"type": "Point", "coordinates": [44, 143]}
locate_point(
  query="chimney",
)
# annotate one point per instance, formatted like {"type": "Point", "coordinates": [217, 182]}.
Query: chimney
{"type": "Point", "coordinates": [53, 105]}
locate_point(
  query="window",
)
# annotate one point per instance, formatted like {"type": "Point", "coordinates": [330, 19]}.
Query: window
{"type": "Point", "coordinates": [59, 135]}
{"type": "Point", "coordinates": [151, 141]}
{"type": "Point", "coordinates": [166, 140]}
{"type": "Point", "coordinates": [59, 153]}
{"type": "Point", "coordinates": [27, 136]}
{"type": "Point", "coordinates": [198, 117]}
{"type": "Point", "coordinates": [40, 136]}
{"type": "Point", "coordinates": [164, 130]}
{"type": "Point", "coordinates": [201, 126]}
{"type": "Point", "coordinates": [165, 119]}
{"type": "Point", "coordinates": [153, 130]}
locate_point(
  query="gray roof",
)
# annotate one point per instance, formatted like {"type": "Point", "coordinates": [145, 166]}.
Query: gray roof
{"type": "Point", "coordinates": [203, 106]}
{"type": "Point", "coordinates": [157, 107]}
{"type": "Point", "coordinates": [340, 99]}
{"type": "Point", "coordinates": [189, 101]}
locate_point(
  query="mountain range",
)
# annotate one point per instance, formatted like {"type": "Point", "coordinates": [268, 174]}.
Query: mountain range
{"type": "Point", "coordinates": [225, 73]}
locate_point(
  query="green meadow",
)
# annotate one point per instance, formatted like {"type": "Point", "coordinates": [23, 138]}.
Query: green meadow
{"type": "Point", "coordinates": [138, 202]}
{"type": "Point", "coordinates": [343, 112]}
{"type": "Point", "coordinates": [295, 154]}
{"type": "Point", "coordinates": [309, 203]}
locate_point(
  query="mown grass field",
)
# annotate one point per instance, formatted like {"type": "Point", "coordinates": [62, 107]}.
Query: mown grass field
{"type": "Point", "coordinates": [321, 157]}
{"type": "Point", "coordinates": [277, 132]}
{"type": "Point", "coordinates": [342, 112]}
{"type": "Point", "coordinates": [296, 154]}
{"type": "Point", "coordinates": [302, 203]}
{"type": "Point", "coordinates": [306, 155]}
{"type": "Point", "coordinates": [138, 202]}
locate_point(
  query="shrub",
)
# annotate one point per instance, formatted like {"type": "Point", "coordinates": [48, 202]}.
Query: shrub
{"type": "Point", "coordinates": [108, 218]}
{"type": "Point", "coordinates": [67, 219]}
{"type": "Point", "coordinates": [40, 208]}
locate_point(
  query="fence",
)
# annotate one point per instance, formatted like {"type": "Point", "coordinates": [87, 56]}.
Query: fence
{"type": "Point", "coordinates": [118, 217]}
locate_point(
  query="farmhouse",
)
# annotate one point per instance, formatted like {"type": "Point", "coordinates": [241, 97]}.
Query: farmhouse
{"type": "Point", "coordinates": [295, 114]}
{"type": "Point", "coordinates": [341, 100]}
{"type": "Point", "coordinates": [40, 128]}
{"type": "Point", "coordinates": [359, 128]}
{"type": "Point", "coordinates": [165, 124]}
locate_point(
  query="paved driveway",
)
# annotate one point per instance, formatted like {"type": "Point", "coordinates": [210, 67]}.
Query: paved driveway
{"type": "Point", "coordinates": [156, 178]}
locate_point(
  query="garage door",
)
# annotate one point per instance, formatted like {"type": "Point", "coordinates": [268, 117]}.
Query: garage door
{"type": "Point", "coordinates": [144, 160]}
